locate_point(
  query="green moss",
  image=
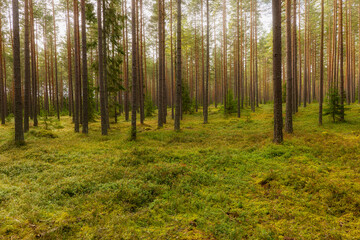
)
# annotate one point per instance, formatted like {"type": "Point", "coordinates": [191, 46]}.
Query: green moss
{"type": "Point", "coordinates": [222, 180]}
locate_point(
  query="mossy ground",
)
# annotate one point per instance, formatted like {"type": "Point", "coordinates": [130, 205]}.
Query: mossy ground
{"type": "Point", "coordinates": [222, 180]}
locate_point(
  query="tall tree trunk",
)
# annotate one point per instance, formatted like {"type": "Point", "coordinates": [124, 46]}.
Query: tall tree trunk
{"type": "Point", "coordinates": [104, 126]}
{"type": "Point", "coordinates": [4, 106]}
{"type": "Point", "coordinates": [69, 62]}
{"type": "Point", "coordinates": [295, 98]}
{"type": "Point", "coordinates": [202, 57]}
{"type": "Point", "coordinates": [27, 70]}
{"type": "Point", "coordinates": [306, 54]}
{"type": "Point", "coordinates": [238, 57]}
{"type": "Point", "coordinates": [126, 67]}
{"type": "Point", "coordinates": [134, 70]}
{"type": "Point", "coordinates": [178, 69]}
{"type": "Point", "coordinates": [224, 57]}
{"type": "Point", "coordinates": [321, 64]}
{"type": "Point", "coordinates": [162, 92]}
{"type": "Point", "coordinates": [278, 120]}
{"type": "Point", "coordinates": [105, 65]}
{"type": "Point", "coordinates": [206, 98]}
{"type": "Point", "coordinates": [19, 131]}
{"type": "Point", "coordinates": [196, 69]}
{"type": "Point", "coordinates": [33, 67]}
{"type": "Point", "coordinates": [172, 60]}
{"type": "Point", "coordinates": [359, 61]}
{"type": "Point", "coordinates": [77, 67]}
{"type": "Point", "coordinates": [3, 99]}
{"type": "Point", "coordinates": [300, 59]}
{"type": "Point", "coordinates": [215, 67]}
{"type": "Point", "coordinates": [56, 67]}
{"type": "Point", "coordinates": [342, 97]}
{"type": "Point", "coordinates": [289, 80]}
{"type": "Point", "coordinates": [84, 70]}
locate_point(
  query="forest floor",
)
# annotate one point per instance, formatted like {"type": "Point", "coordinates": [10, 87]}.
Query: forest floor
{"type": "Point", "coordinates": [222, 180]}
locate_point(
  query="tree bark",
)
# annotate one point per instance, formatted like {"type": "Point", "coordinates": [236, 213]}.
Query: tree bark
{"type": "Point", "coordinates": [33, 67]}
{"type": "Point", "coordinates": [134, 70]}
{"type": "Point", "coordinates": [342, 114]}
{"type": "Point", "coordinates": [19, 131]}
{"type": "Point", "coordinates": [104, 126]}
{"type": "Point", "coordinates": [289, 80]}
{"type": "Point", "coordinates": [206, 98]}
{"type": "Point", "coordinates": [27, 70]}
{"type": "Point", "coordinates": [84, 71]}
{"type": "Point", "coordinates": [178, 69]}
{"type": "Point", "coordinates": [69, 62]}
{"type": "Point", "coordinates": [278, 120]}
{"type": "Point", "coordinates": [56, 67]}
{"type": "Point", "coordinates": [321, 64]}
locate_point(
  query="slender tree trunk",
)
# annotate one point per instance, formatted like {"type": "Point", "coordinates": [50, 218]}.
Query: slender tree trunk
{"type": "Point", "coordinates": [341, 62]}
{"type": "Point", "coordinates": [77, 67]}
{"type": "Point", "coordinates": [69, 62]}
{"type": "Point", "coordinates": [206, 98]}
{"type": "Point", "coordinates": [27, 70]}
{"type": "Point", "coordinates": [289, 80]}
{"type": "Point", "coordinates": [178, 69]}
{"type": "Point", "coordinates": [278, 120]}
{"type": "Point", "coordinates": [238, 69]}
{"type": "Point", "coordinates": [202, 57]}
{"type": "Point", "coordinates": [359, 61]}
{"type": "Point", "coordinates": [306, 54]}
{"type": "Point", "coordinates": [33, 67]}
{"type": "Point", "coordinates": [84, 70]}
{"type": "Point", "coordinates": [224, 57]}
{"type": "Point", "coordinates": [134, 70]}
{"type": "Point", "coordinates": [104, 125]}
{"type": "Point", "coordinates": [19, 131]}
{"type": "Point", "coordinates": [215, 67]}
{"type": "Point", "coordinates": [106, 93]}
{"type": "Point", "coordinates": [321, 64]}
{"type": "Point", "coordinates": [162, 68]}
{"type": "Point", "coordinates": [295, 102]}
{"type": "Point", "coordinates": [56, 67]}
{"type": "Point", "coordinates": [172, 60]}
{"type": "Point", "coordinates": [2, 98]}
{"type": "Point", "coordinates": [300, 59]}
{"type": "Point", "coordinates": [196, 70]}
{"type": "Point", "coordinates": [126, 68]}
{"type": "Point", "coordinates": [4, 106]}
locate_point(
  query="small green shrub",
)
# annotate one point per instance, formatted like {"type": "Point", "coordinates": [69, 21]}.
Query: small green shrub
{"type": "Point", "coordinates": [187, 105]}
{"type": "Point", "coordinates": [149, 106]}
{"type": "Point", "coordinates": [334, 108]}
{"type": "Point", "coordinates": [231, 104]}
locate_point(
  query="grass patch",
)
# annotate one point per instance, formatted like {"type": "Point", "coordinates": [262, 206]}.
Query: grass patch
{"type": "Point", "coordinates": [222, 180]}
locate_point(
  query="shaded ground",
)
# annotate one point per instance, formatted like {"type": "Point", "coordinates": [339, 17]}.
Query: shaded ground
{"type": "Point", "coordinates": [223, 180]}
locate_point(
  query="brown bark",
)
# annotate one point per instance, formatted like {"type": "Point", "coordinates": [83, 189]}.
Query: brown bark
{"type": "Point", "coordinates": [289, 80]}
{"type": "Point", "coordinates": [278, 120]}
{"type": "Point", "coordinates": [19, 131]}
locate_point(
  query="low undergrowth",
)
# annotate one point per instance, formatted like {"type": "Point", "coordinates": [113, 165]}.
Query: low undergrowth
{"type": "Point", "coordinates": [222, 180]}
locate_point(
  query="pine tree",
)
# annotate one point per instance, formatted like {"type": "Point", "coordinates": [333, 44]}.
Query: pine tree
{"type": "Point", "coordinates": [178, 69]}
{"type": "Point", "coordinates": [206, 98]}
{"type": "Point", "coordinates": [27, 70]}
{"type": "Point", "coordinates": [85, 90]}
{"type": "Point", "coordinates": [278, 120]}
{"type": "Point", "coordinates": [19, 131]}
{"type": "Point", "coordinates": [134, 70]}
{"type": "Point", "coordinates": [289, 80]}
{"type": "Point", "coordinates": [104, 126]}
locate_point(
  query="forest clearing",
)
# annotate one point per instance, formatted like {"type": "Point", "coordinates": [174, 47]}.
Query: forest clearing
{"type": "Point", "coordinates": [222, 180]}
